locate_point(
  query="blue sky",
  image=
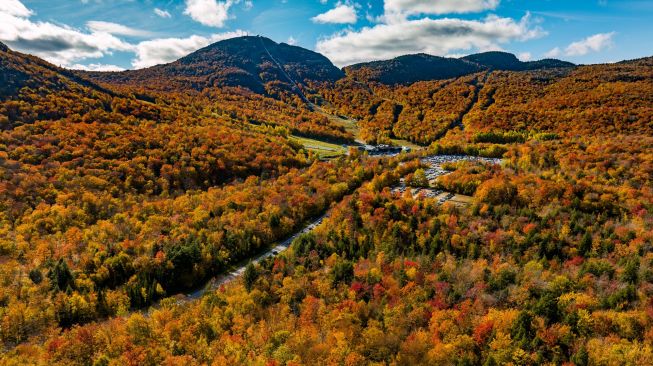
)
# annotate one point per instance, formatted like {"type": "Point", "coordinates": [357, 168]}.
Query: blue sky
{"type": "Point", "coordinates": [126, 34]}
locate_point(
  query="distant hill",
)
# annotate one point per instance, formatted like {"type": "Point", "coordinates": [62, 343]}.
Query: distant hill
{"type": "Point", "coordinates": [248, 62]}
{"type": "Point", "coordinates": [412, 68]}
{"type": "Point", "coordinates": [495, 60]}
{"type": "Point", "coordinates": [422, 67]}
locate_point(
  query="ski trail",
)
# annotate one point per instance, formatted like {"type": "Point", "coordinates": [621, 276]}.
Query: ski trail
{"type": "Point", "coordinates": [285, 74]}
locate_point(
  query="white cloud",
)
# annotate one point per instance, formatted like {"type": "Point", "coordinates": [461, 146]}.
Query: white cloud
{"type": "Point", "coordinates": [341, 14]}
{"type": "Point", "coordinates": [67, 46]}
{"type": "Point", "coordinates": [15, 8]}
{"type": "Point", "coordinates": [400, 9]}
{"type": "Point", "coordinates": [593, 43]}
{"type": "Point", "coordinates": [291, 41]}
{"type": "Point", "coordinates": [159, 51]}
{"type": "Point", "coordinates": [59, 44]}
{"type": "Point", "coordinates": [211, 13]}
{"type": "Point", "coordinates": [556, 52]}
{"type": "Point", "coordinates": [96, 67]}
{"type": "Point", "coordinates": [114, 28]}
{"type": "Point", "coordinates": [525, 56]}
{"type": "Point", "coordinates": [162, 13]}
{"type": "Point", "coordinates": [432, 36]}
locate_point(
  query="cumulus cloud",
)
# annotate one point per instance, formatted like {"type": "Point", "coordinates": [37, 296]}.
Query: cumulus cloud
{"type": "Point", "coordinates": [96, 67]}
{"type": "Point", "coordinates": [432, 36]}
{"type": "Point", "coordinates": [69, 47]}
{"type": "Point", "coordinates": [59, 44]}
{"type": "Point", "coordinates": [163, 50]}
{"type": "Point", "coordinates": [593, 43]}
{"type": "Point", "coordinates": [341, 14]}
{"type": "Point", "coordinates": [115, 28]}
{"type": "Point", "coordinates": [211, 13]}
{"type": "Point", "coordinates": [553, 53]}
{"type": "Point", "coordinates": [162, 13]}
{"type": "Point", "coordinates": [14, 8]}
{"type": "Point", "coordinates": [525, 56]}
{"type": "Point", "coordinates": [400, 9]}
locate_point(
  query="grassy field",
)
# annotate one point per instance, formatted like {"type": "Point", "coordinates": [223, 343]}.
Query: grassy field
{"type": "Point", "coordinates": [349, 124]}
{"type": "Point", "coordinates": [324, 150]}
{"type": "Point", "coordinates": [352, 127]}
{"type": "Point", "coordinates": [406, 143]}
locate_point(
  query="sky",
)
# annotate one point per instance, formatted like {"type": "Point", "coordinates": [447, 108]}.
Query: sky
{"type": "Point", "coordinates": [111, 35]}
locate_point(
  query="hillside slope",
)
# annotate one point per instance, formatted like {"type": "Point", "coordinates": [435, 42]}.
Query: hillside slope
{"type": "Point", "coordinates": [611, 98]}
{"type": "Point", "coordinates": [32, 89]}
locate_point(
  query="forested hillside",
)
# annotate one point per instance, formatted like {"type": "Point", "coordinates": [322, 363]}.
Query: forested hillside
{"type": "Point", "coordinates": [122, 192]}
{"type": "Point", "coordinates": [33, 90]}
{"type": "Point", "coordinates": [612, 98]}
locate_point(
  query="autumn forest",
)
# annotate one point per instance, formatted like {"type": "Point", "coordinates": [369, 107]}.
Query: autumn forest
{"type": "Point", "coordinates": [514, 227]}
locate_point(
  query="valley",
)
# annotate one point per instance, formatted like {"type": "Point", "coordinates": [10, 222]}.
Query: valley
{"type": "Point", "coordinates": [252, 203]}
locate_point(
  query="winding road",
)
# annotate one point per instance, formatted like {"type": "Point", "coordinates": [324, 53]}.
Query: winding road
{"type": "Point", "coordinates": [435, 161]}
{"type": "Point", "coordinates": [240, 267]}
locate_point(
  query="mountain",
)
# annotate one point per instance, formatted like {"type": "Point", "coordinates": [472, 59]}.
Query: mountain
{"type": "Point", "coordinates": [265, 67]}
{"type": "Point", "coordinates": [412, 68]}
{"type": "Point", "coordinates": [250, 62]}
{"type": "Point", "coordinates": [422, 67]}
{"type": "Point", "coordinates": [496, 60]}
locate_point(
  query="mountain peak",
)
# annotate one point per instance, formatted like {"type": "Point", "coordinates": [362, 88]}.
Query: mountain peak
{"type": "Point", "coordinates": [3, 47]}
{"type": "Point", "coordinates": [253, 62]}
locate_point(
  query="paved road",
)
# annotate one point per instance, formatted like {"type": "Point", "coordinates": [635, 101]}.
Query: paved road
{"type": "Point", "coordinates": [240, 268]}
{"type": "Point", "coordinates": [435, 161]}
